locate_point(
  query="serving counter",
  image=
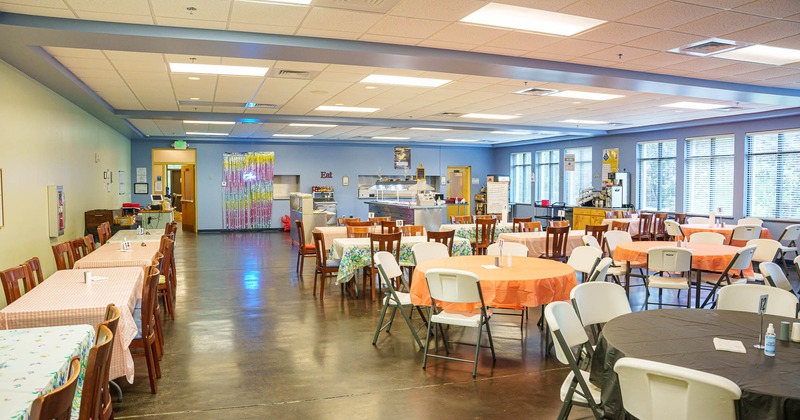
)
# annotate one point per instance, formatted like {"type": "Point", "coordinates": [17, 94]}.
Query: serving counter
{"type": "Point", "coordinates": [429, 216]}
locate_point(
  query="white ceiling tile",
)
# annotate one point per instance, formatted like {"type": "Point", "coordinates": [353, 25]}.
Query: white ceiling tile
{"type": "Point", "coordinates": [75, 52]}
{"type": "Point", "coordinates": [236, 89]}
{"type": "Point", "coordinates": [661, 59]}
{"type": "Point", "coordinates": [114, 17]}
{"type": "Point", "coordinates": [385, 39]}
{"type": "Point", "coordinates": [147, 127]}
{"type": "Point", "coordinates": [772, 73]}
{"type": "Point", "coordinates": [574, 47]}
{"type": "Point", "coordinates": [608, 9]}
{"type": "Point", "coordinates": [446, 10]}
{"type": "Point", "coordinates": [721, 23]}
{"type": "Point", "coordinates": [92, 74]}
{"type": "Point", "coordinates": [406, 27]}
{"type": "Point", "coordinates": [524, 41]}
{"type": "Point", "coordinates": [446, 45]}
{"type": "Point", "coordinates": [664, 40]}
{"type": "Point", "coordinates": [199, 59]}
{"type": "Point", "coordinates": [327, 19]}
{"type": "Point", "coordinates": [205, 9]}
{"type": "Point", "coordinates": [124, 7]}
{"type": "Point", "coordinates": [613, 54]}
{"type": "Point", "coordinates": [669, 15]}
{"type": "Point", "coordinates": [616, 33]}
{"type": "Point", "coordinates": [149, 58]}
{"type": "Point", "coordinates": [38, 11]}
{"type": "Point", "coordinates": [85, 63]}
{"type": "Point", "coordinates": [54, 4]}
{"type": "Point", "coordinates": [191, 23]}
{"type": "Point", "coordinates": [267, 14]}
{"type": "Point", "coordinates": [771, 8]}
{"type": "Point", "coordinates": [700, 64]}
{"type": "Point", "coordinates": [772, 31]}
{"type": "Point", "coordinates": [739, 68]}
{"type": "Point", "coordinates": [794, 18]}
{"type": "Point", "coordinates": [267, 29]}
{"type": "Point", "coordinates": [788, 42]}
{"type": "Point", "coordinates": [320, 33]}
{"type": "Point", "coordinates": [468, 34]}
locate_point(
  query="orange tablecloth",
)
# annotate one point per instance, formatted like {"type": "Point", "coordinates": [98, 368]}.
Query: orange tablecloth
{"type": "Point", "coordinates": [528, 282]}
{"type": "Point", "coordinates": [727, 231]}
{"type": "Point", "coordinates": [111, 255]}
{"type": "Point", "coordinates": [706, 257]}
{"type": "Point", "coordinates": [329, 233]}
{"type": "Point", "coordinates": [536, 241]}
{"type": "Point", "coordinates": [64, 299]}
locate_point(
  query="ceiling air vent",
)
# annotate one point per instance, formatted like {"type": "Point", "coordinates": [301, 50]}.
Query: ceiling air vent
{"type": "Point", "coordinates": [258, 105]}
{"type": "Point", "coordinates": [449, 114]}
{"type": "Point", "coordinates": [536, 92]}
{"type": "Point", "coordinates": [375, 6]}
{"type": "Point", "coordinates": [293, 74]}
{"type": "Point", "coordinates": [708, 47]}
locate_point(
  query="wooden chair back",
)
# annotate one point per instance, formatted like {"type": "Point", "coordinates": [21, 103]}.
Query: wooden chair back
{"type": "Point", "coordinates": [377, 221]}
{"type": "Point", "coordinates": [64, 255]}
{"type": "Point", "coordinates": [91, 245]}
{"type": "Point", "coordinates": [559, 223]}
{"type": "Point", "coordinates": [57, 404]}
{"type": "Point", "coordinates": [486, 217]}
{"type": "Point", "coordinates": [358, 223]}
{"type": "Point", "coordinates": [358, 231]}
{"type": "Point", "coordinates": [104, 232]}
{"type": "Point", "coordinates": [388, 242]}
{"type": "Point", "coordinates": [301, 234]}
{"type": "Point", "coordinates": [628, 214]}
{"type": "Point", "coordinates": [556, 243]}
{"type": "Point", "coordinates": [413, 230]}
{"type": "Point", "coordinates": [79, 248]}
{"type": "Point", "coordinates": [619, 225]}
{"type": "Point", "coordinates": [645, 226]}
{"type": "Point", "coordinates": [484, 234]}
{"type": "Point", "coordinates": [443, 237]}
{"type": "Point", "coordinates": [531, 227]}
{"type": "Point", "coordinates": [612, 214]}
{"type": "Point", "coordinates": [111, 321]}
{"type": "Point", "coordinates": [599, 233]}
{"type": "Point", "coordinates": [518, 221]}
{"type": "Point", "coordinates": [149, 302]}
{"type": "Point", "coordinates": [388, 226]}
{"type": "Point", "coordinates": [680, 218]}
{"type": "Point", "coordinates": [320, 250]}
{"type": "Point", "coordinates": [94, 379]}
{"type": "Point", "coordinates": [343, 220]}
{"type": "Point", "coordinates": [461, 220]}
{"type": "Point", "coordinates": [659, 232]}
{"type": "Point", "coordinates": [36, 273]}
{"type": "Point", "coordinates": [11, 278]}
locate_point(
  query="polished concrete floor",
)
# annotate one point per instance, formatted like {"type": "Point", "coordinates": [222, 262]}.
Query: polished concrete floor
{"type": "Point", "coordinates": [249, 340]}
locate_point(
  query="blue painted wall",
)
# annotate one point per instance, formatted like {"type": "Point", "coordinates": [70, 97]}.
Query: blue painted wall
{"type": "Point", "coordinates": [308, 160]}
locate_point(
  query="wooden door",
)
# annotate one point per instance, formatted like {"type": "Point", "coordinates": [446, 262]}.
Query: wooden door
{"type": "Point", "coordinates": [459, 186]}
{"type": "Point", "coordinates": [188, 205]}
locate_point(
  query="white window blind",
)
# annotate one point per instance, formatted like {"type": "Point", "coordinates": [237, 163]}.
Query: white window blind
{"type": "Point", "coordinates": [581, 177]}
{"type": "Point", "coordinates": [655, 175]}
{"type": "Point", "coordinates": [521, 177]}
{"type": "Point", "coordinates": [773, 175]}
{"type": "Point", "coordinates": [709, 175]}
{"type": "Point", "coordinates": [547, 177]}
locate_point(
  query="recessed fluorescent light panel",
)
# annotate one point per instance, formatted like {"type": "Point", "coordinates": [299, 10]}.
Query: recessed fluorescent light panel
{"type": "Point", "coordinates": [763, 54]}
{"type": "Point", "coordinates": [218, 69]}
{"type": "Point", "coordinates": [209, 122]}
{"type": "Point", "coordinates": [694, 105]}
{"type": "Point", "coordinates": [576, 94]}
{"type": "Point", "coordinates": [533, 20]}
{"type": "Point", "coordinates": [513, 133]}
{"type": "Point", "coordinates": [429, 129]}
{"type": "Point", "coordinates": [292, 135]}
{"type": "Point", "coordinates": [380, 79]}
{"type": "Point", "coordinates": [490, 116]}
{"type": "Point", "coordinates": [461, 140]}
{"type": "Point", "coordinates": [312, 125]}
{"type": "Point", "coordinates": [585, 122]}
{"type": "Point", "coordinates": [346, 109]}
{"type": "Point", "coordinates": [390, 138]}
{"type": "Point", "coordinates": [198, 133]}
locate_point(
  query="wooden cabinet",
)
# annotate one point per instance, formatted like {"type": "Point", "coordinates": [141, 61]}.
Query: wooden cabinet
{"type": "Point", "coordinates": [582, 216]}
{"type": "Point", "coordinates": [93, 218]}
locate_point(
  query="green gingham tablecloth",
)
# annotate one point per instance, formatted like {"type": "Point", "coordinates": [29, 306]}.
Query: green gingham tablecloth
{"type": "Point", "coordinates": [468, 231]}
{"type": "Point", "coordinates": [35, 361]}
{"type": "Point", "coordinates": [354, 253]}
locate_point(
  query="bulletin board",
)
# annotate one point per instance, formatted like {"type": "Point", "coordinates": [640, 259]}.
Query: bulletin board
{"type": "Point", "coordinates": [610, 163]}
{"type": "Point", "coordinates": [496, 197]}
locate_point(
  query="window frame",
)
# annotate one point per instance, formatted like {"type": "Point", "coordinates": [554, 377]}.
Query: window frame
{"type": "Point", "coordinates": [639, 181]}
{"type": "Point", "coordinates": [579, 164]}
{"type": "Point", "coordinates": [713, 157]}
{"type": "Point", "coordinates": [554, 169]}
{"type": "Point", "coordinates": [748, 154]}
{"type": "Point", "coordinates": [527, 162]}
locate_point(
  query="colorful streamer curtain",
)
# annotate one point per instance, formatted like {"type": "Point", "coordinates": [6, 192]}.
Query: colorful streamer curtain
{"type": "Point", "coordinates": [247, 194]}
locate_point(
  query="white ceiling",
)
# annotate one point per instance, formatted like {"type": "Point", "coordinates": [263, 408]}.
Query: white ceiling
{"type": "Point", "coordinates": [635, 38]}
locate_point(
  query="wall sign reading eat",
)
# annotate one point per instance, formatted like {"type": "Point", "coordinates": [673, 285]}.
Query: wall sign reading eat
{"type": "Point", "coordinates": [324, 174]}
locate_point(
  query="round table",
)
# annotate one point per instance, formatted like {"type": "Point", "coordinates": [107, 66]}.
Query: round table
{"type": "Point", "coordinates": [684, 337]}
{"type": "Point", "coordinates": [529, 282]}
{"type": "Point", "coordinates": [725, 231]}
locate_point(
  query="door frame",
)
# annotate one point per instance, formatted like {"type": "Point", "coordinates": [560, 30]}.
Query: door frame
{"type": "Point", "coordinates": [467, 171]}
{"type": "Point", "coordinates": [163, 174]}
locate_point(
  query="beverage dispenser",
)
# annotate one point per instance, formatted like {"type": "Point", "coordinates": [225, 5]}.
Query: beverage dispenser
{"type": "Point", "coordinates": [620, 190]}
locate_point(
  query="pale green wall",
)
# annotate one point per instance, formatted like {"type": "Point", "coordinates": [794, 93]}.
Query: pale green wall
{"type": "Point", "coordinates": [45, 139]}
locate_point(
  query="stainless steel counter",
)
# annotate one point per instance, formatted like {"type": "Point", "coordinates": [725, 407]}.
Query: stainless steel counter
{"type": "Point", "coordinates": [431, 217]}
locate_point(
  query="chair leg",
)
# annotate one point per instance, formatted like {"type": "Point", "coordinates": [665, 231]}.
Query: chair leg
{"type": "Point", "coordinates": [391, 319]}
{"type": "Point", "coordinates": [380, 321]}
{"type": "Point", "coordinates": [151, 370]}
{"type": "Point", "coordinates": [159, 336]}
{"type": "Point", "coordinates": [491, 342]}
{"type": "Point", "coordinates": [427, 340]}
{"type": "Point", "coordinates": [297, 265]}
{"type": "Point", "coordinates": [566, 407]}
{"type": "Point", "coordinates": [410, 326]}
{"type": "Point", "coordinates": [477, 351]}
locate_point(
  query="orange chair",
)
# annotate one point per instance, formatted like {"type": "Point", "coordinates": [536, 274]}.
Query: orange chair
{"type": "Point", "coordinates": [304, 250]}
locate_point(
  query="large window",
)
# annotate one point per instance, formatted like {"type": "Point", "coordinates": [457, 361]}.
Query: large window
{"type": "Point", "coordinates": [655, 175]}
{"type": "Point", "coordinates": [709, 175]}
{"type": "Point", "coordinates": [547, 182]}
{"type": "Point", "coordinates": [521, 177]}
{"type": "Point", "coordinates": [581, 177]}
{"type": "Point", "coordinates": [773, 175]}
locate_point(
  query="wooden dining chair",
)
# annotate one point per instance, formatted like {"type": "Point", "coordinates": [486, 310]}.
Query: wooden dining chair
{"type": "Point", "coordinates": [413, 230]}
{"type": "Point", "coordinates": [556, 243]}
{"type": "Point", "coordinates": [79, 248]}
{"type": "Point", "coordinates": [57, 404]}
{"type": "Point", "coordinates": [378, 221]}
{"type": "Point", "coordinates": [64, 255]}
{"type": "Point", "coordinates": [599, 232]}
{"type": "Point", "coordinates": [645, 228]}
{"type": "Point", "coordinates": [96, 376]}
{"type": "Point", "coordinates": [90, 243]}
{"type": "Point", "coordinates": [559, 223]}
{"type": "Point", "coordinates": [628, 214]}
{"type": "Point", "coordinates": [304, 250]}
{"type": "Point", "coordinates": [444, 237]}
{"type": "Point", "coordinates": [619, 225]}
{"type": "Point", "coordinates": [486, 217]}
{"type": "Point", "coordinates": [325, 267]}
{"type": "Point", "coordinates": [165, 289]}
{"type": "Point", "coordinates": [389, 242]}
{"type": "Point", "coordinates": [36, 273]}
{"type": "Point", "coordinates": [388, 226]}
{"type": "Point", "coordinates": [659, 229]}
{"type": "Point", "coordinates": [11, 278]}
{"type": "Point", "coordinates": [518, 221]}
{"type": "Point", "coordinates": [358, 231]}
{"type": "Point", "coordinates": [103, 232]}
{"type": "Point", "coordinates": [146, 337]}
{"type": "Point", "coordinates": [612, 214]}
{"type": "Point", "coordinates": [680, 218]}
{"type": "Point", "coordinates": [342, 221]}
{"type": "Point", "coordinates": [484, 235]}
{"type": "Point", "coordinates": [358, 223]}
{"type": "Point", "coordinates": [111, 321]}
{"type": "Point", "coordinates": [531, 227]}
{"type": "Point", "coordinates": [461, 220]}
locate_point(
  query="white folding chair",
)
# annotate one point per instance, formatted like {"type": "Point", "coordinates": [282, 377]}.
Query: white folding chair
{"type": "Point", "coordinates": [601, 270]}
{"type": "Point", "coordinates": [712, 238]}
{"type": "Point", "coordinates": [388, 269]}
{"type": "Point", "coordinates": [698, 221]}
{"type": "Point", "coordinates": [659, 391]}
{"type": "Point", "coordinates": [673, 229]}
{"type": "Point", "coordinates": [599, 302]}
{"type": "Point", "coordinates": [746, 298]}
{"type": "Point", "coordinates": [775, 277]}
{"type": "Point", "coordinates": [741, 261]}
{"type": "Point", "coordinates": [584, 259]}
{"type": "Point", "coordinates": [426, 251]}
{"type": "Point", "coordinates": [509, 249]}
{"type": "Point", "coordinates": [753, 221]}
{"type": "Point", "coordinates": [766, 251]}
{"type": "Point", "coordinates": [590, 240]}
{"type": "Point", "coordinates": [665, 261]}
{"type": "Point", "coordinates": [456, 286]}
{"type": "Point", "coordinates": [619, 268]}
{"type": "Point", "coordinates": [570, 340]}
{"type": "Point", "coordinates": [790, 234]}
{"type": "Point", "coordinates": [745, 233]}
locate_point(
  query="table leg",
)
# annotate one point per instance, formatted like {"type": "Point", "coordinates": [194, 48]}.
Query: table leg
{"type": "Point", "coordinates": [628, 279]}
{"type": "Point", "coordinates": [697, 292]}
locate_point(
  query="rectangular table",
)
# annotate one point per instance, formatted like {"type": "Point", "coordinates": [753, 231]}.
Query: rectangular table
{"type": "Point", "coordinates": [111, 255]}
{"type": "Point", "coordinates": [150, 235]}
{"type": "Point", "coordinates": [35, 361]}
{"type": "Point", "coordinates": [536, 241]}
{"type": "Point", "coordinates": [467, 231]}
{"type": "Point", "coordinates": [354, 253]}
{"type": "Point", "coordinates": [64, 299]}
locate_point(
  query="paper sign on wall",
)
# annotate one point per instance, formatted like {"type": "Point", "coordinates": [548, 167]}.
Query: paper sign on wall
{"type": "Point", "coordinates": [141, 175]}
{"type": "Point", "coordinates": [496, 197]}
{"type": "Point", "coordinates": [569, 162]}
{"type": "Point", "coordinates": [610, 163]}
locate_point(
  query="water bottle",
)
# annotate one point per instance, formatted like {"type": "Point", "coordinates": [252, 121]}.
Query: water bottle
{"type": "Point", "coordinates": [769, 341]}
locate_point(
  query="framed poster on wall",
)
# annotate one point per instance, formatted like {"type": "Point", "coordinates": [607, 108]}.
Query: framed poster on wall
{"type": "Point", "coordinates": [141, 188]}
{"type": "Point", "coordinates": [402, 157]}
